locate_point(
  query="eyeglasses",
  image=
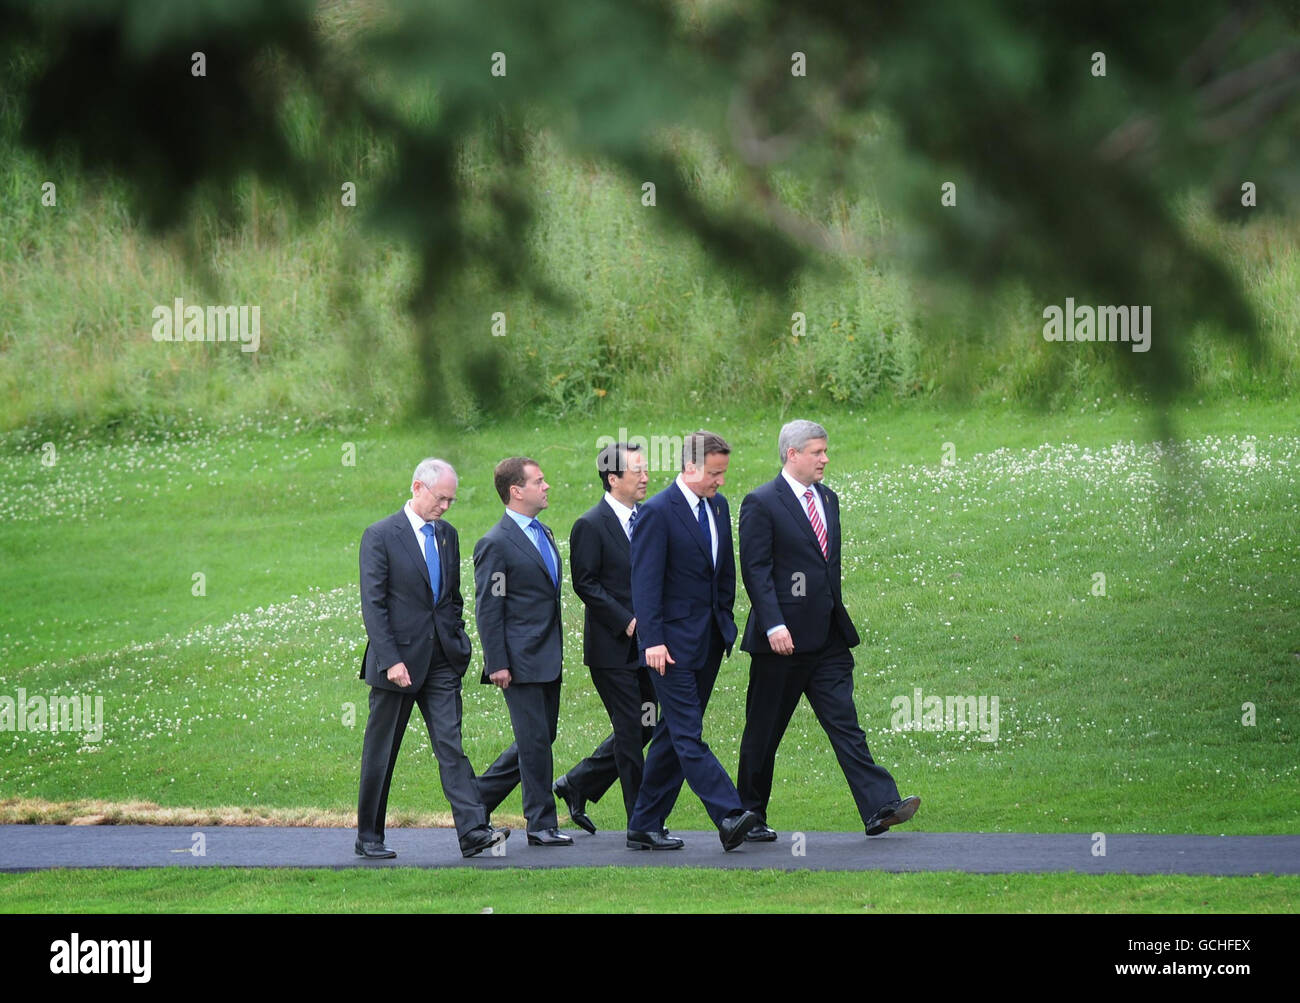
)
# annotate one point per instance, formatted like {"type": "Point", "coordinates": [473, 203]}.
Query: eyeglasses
{"type": "Point", "coordinates": [439, 499]}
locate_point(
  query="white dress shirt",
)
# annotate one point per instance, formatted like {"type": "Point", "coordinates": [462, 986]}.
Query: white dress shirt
{"type": "Point", "coordinates": [417, 525]}
{"type": "Point", "coordinates": [693, 500]}
{"type": "Point", "coordinates": [799, 490]}
{"type": "Point", "coordinates": [622, 511]}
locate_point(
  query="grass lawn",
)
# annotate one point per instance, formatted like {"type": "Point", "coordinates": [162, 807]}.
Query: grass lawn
{"type": "Point", "coordinates": [1169, 703]}
{"type": "Point", "coordinates": [627, 890]}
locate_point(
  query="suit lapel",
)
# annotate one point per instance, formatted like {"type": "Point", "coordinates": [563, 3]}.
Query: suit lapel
{"type": "Point", "coordinates": [555, 553]}
{"type": "Point", "coordinates": [724, 532]}
{"type": "Point", "coordinates": [682, 507]}
{"type": "Point", "coordinates": [516, 535]}
{"type": "Point", "coordinates": [440, 538]}
{"type": "Point", "coordinates": [614, 528]}
{"type": "Point", "coordinates": [832, 521]}
{"type": "Point", "coordinates": [402, 527]}
{"type": "Point", "coordinates": [800, 514]}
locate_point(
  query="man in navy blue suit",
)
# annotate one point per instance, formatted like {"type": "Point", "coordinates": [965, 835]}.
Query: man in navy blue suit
{"type": "Point", "coordinates": [799, 633]}
{"type": "Point", "coordinates": [683, 590]}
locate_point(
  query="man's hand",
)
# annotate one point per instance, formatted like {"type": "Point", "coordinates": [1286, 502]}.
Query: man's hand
{"type": "Point", "coordinates": [398, 674]}
{"type": "Point", "coordinates": [631, 627]}
{"type": "Point", "coordinates": [658, 658]}
{"type": "Point", "coordinates": [781, 641]}
{"type": "Point", "coordinates": [501, 677]}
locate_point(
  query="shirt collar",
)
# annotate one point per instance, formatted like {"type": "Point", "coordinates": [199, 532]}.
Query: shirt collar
{"type": "Point", "coordinates": [417, 524]}
{"type": "Point", "coordinates": [798, 488]}
{"type": "Point", "coordinates": [622, 511]}
{"type": "Point", "coordinates": [522, 521]}
{"type": "Point", "coordinates": [692, 499]}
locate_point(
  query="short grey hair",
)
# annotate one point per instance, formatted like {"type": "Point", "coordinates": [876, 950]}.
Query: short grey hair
{"type": "Point", "coordinates": [797, 434]}
{"type": "Point", "coordinates": [430, 471]}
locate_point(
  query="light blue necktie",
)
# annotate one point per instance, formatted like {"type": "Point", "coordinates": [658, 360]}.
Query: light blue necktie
{"type": "Point", "coordinates": [431, 560]}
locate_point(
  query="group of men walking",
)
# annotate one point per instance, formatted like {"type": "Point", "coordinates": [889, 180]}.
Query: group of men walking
{"type": "Point", "coordinates": [657, 579]}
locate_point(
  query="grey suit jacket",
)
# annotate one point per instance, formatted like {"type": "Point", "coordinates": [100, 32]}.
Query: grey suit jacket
{"type": "Point", "coordinates": [517, 606]}
{"type": "Point", "coordinates": [397, 602]}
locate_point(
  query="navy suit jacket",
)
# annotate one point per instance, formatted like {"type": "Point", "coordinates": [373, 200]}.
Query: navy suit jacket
{"type": "Point", "coordinates": [788, 579]}
{"type": "Point", "coordinates": [679, 597]}
{"type": "Point", "coordinates": [397, 602]}
{"type": "Point", "coordinates": [517, 606]}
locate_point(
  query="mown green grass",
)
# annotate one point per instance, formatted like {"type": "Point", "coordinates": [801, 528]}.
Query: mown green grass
{"type": "Point", "coordinates": [631, 890]}
{"type": "Point", "coordinates": [1117, 713]}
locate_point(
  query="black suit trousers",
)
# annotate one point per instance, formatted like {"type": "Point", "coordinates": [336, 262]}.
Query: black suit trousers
{"type": "Point", "coordinates": [825, 676]}
{"type": "Point", "coordinates": [629, 697]}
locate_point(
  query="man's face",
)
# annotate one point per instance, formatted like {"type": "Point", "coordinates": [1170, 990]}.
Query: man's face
{"type": "Point", "coordinates": [808, 464]}
{"type": "Point", "coordinates": [707, 478]}
{"type": "Point", "coordinates": [629, 487]}
{"type": "Point", "coordinates": [429, 502]}
{"type": "Point", "coordinates": [532, 496]}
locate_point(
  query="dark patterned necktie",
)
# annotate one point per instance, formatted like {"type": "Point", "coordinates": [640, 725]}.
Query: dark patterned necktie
{"type": "Point", "coordinates": [704, 528]}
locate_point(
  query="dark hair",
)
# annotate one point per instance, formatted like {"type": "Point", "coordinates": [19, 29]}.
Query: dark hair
{"type": "Point", "coordinates": [510, 473]}
{"type": "Point", "coordinates": [698, 445]}
{"type": "Point", "coordinates": [612, 460]}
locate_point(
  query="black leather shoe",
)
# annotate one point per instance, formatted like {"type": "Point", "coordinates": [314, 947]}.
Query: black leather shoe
{"type": "Point", "coordinates": [577, 806]}
{"type": "Point", "coordinates": [893, 813]}
{"type": "Point", "coordinates": [375, 851]}
{"type": "Point", "coordinates": [549, 837]}
{"type": "Point", "coordinates": [653, 840]}
{"type": "Point", "coordinates": [734, 828]}
{"type": "Point", "coordinates": [761, 833]}
{"type": "Point", "coordinates": [477, 840]}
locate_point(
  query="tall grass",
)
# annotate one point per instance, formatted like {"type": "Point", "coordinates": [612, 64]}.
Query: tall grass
{"type": "Point", "coordinates": [649, 318]}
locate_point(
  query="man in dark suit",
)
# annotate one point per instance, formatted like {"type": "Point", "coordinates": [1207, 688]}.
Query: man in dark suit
{"type": "Point", "coordinates": [799, 633]}
{"type": "Point", "coordinates": [683, 590]}
{"type": "Point", "coordinates": [417, 651]}
{"type": "Point", "coordinates": [517, 607]}
{"type": "Point", "coordinates": [601, 570]}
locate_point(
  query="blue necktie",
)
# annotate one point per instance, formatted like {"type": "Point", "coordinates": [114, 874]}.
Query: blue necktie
{"type": "Point", "coordinates": [631, 520]}
{"type": "Point", "coordinates": [431, 560]}
{"type": "Point", "coordinates": [704, 528]}
{"type": "Point", "coordinates": [544, 546]}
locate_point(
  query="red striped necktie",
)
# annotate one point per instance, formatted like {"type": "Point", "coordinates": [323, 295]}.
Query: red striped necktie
{"type": "Point", "coordinates": [816, 521]}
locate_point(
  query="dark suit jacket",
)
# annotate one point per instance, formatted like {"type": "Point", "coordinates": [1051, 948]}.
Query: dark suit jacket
{"type": "Point", "coordinates": [678, 595]}
{"type": "Point", "coordinates": [516, 605]}
{"type": "Point", "coordinates": [785, 574]}
{"type": "Point", "coordinates": [600, 564]}
{"type": "Point", "coordinates": [397, 602]}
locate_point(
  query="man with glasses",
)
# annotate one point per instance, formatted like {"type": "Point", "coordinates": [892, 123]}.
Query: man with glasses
{"type": "Point", "coordinates": [417, 652]}
{"type": "Point", "coordinates": [600, 562]}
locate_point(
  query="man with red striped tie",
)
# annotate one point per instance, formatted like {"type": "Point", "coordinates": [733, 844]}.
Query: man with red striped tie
{"type": "Point", "coordinates": [799, 634]}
